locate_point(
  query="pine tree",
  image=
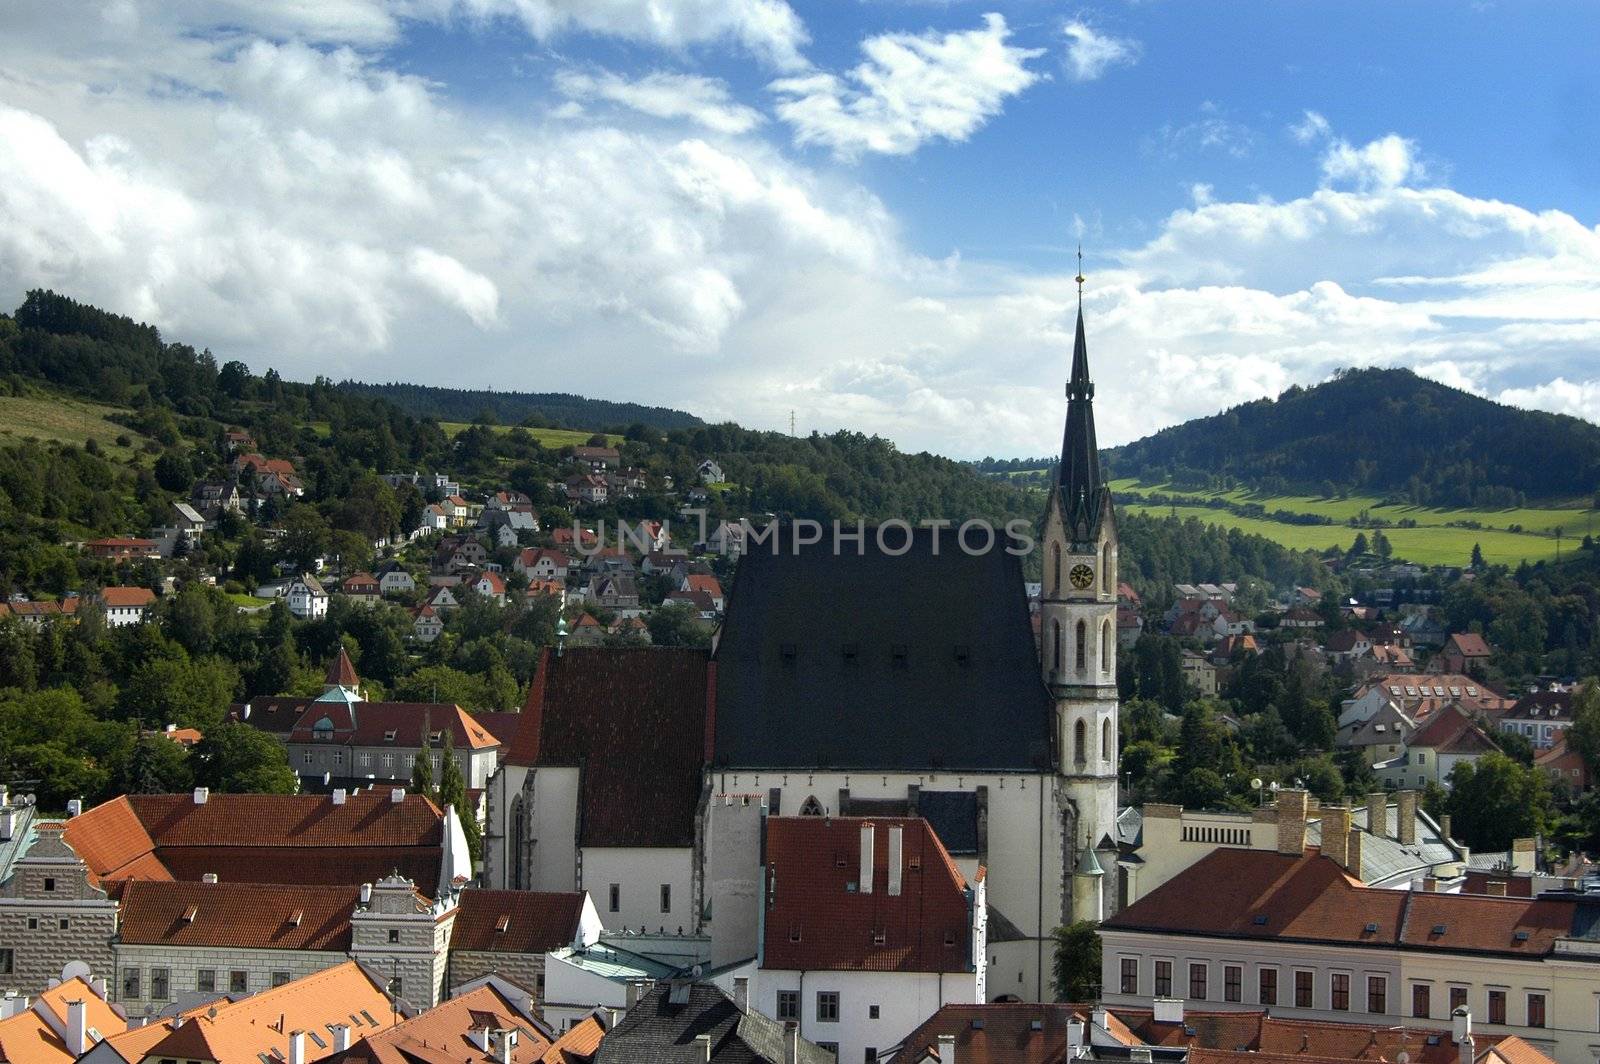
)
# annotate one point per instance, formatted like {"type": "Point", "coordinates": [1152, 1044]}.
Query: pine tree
{"type": "Point", "coordinates": [453, 793]}
{"type": "Point", "coordinates": [422, 771]}
{"type": "Point", "coordinates": [1477, 556]}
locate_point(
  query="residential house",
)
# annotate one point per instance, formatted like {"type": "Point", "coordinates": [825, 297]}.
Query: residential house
{"type": "Point", "coordinates": [661, 561]}
{"type": "Point", "coordinates": [435, 518]}
{"type": "Point", "coordinates": [538, 588]}
{"type": "Point", "coordinates": [1463, 652]}
{"type": "Point", "coordinates": [36, 613]}
{"type": "Point", "coordinates": [1423, 629]}
{"type": "Point", "coordinates": [457, 553]}
{"type": "Point", "coordinates": [590, 488]}
{"type": "Point", "coordinates": [429, 484]}
{"type": "Point", "coordinates": [1564, 765]}
{"type": "Point", "coordinates": [684, 1020]}
{"type": "Point", "coordinates": [123, 549]}
{"type": "Point", "coordinates": [583, 539]}
{"type": "Point", "coordinates": [458, 510]}
{"type": "Point", "coordinates": [1383, 659]}
{"type": "Point", "coordinates": [571, 792]}
{"type": "Point", "coordinates": [586, 631]}
{"type": "Point", "coordinates": [509, 500]}
{"type": "Point", "coordinates": [363, 588]}
{"type": "Point", "coordinates": [394, 580]}
{"type": "Point", "coordinates": [235, 441]}
{"type": "Point", "coordinates": [1446, 739]}
{"type": "Point", "coordinates": [1411, 692]}
{"type": "Point", "coordinates": [597, 459]}
{"type": "Point", "coordinates": [1305, 596]}
{"type": "Point", "coordinates": [1298, 934]}
{"type": "Point", "coordinates": [704, 608]}
{"type": "Point", "coordinates": [1231, 646]}
{"type": "Point", "coordinates": [1200, 673]}
{"type": "Point", "coordinates": [707, 583]}
{"type": "Point", "coordinates": [491, 585]}
{"type": "Point", "coordinates": [126, 605]}
{"type": "Point", "coordinates": [271, 476]}
{"type": "Point", "coordinates": [617, 593]}
{"type": "Point", "coordinates": [1346, 645]}
{"type": "Point", "coordinates": [426, 624]}
{"type": "Point", "coordinates": [1130, 626]}
{"type": "Point", "coordinates": [305, 598]}
{"type": "Point", "coordinates": [216, 497]}
{"type": "Point", "coordinates": [709, 472]}
{"type": "Point", "coordinates": [542, 563]}
{"type": "Point", "coordinates": [625, 483]}
{"type": "Point", "coordinates": [1542, 716]}
{"type": "Point", "coordinates": [726, 538]}
{"type": "Point", "coordinates": [1300, 617]}
{"type": "Point", "coordinates": [509, 932]}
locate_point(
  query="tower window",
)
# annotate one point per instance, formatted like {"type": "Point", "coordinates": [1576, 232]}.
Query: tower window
{"type": "Point", "coordinates": [1055, 563]}
{"type": "Point", "coordinates": [1105, 740]}
{"type": "Point", "coordinates": [1105, 646]}
{"type": "Point", "coordinates": [1080, 743]}
{"type": "Point", "coordinates": [1055, 640]}
{"type": "Point", "coordinates": [1083, 639]}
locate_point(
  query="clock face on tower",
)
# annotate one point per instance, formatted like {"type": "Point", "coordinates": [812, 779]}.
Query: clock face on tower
{"type": "Point", "coordinates": [1081, 576]}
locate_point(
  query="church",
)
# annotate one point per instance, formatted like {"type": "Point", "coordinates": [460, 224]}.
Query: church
{"type": "Point", "coordinates": [855, 680]}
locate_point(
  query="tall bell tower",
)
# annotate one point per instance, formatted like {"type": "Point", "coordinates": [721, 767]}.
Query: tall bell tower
{"type": "Point", "coordinates": [1078, 647]}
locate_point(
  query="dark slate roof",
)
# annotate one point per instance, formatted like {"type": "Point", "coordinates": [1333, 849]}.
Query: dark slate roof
{"type": "Point", "coordinates": [634, 720]}
{"type": "Point", "coordinates": [1083, 495]}
{"type": "Point", "coordinates": [877, 661]}
{"type": "Point", "coordinates": [659, 1030]}
{"type": "Point", "coordinates": [953, 815]}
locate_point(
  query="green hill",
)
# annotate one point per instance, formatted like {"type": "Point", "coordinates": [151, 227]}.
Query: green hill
{"type": "Point", "coordinates": [535, 409]}
{"type": "Point", "coordinates": [1385, 433]}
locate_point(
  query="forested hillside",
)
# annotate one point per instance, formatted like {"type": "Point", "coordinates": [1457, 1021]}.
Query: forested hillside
{"type": "Point", "coordinates": [534, 409]}
{"type": "Point", "coordinates": [1384, 432]}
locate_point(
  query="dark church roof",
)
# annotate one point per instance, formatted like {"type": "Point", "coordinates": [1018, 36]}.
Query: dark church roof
{"type": "Point", "coordinates": [1083, 496]}
{"type": "Point", "coordinates": [876, 661]}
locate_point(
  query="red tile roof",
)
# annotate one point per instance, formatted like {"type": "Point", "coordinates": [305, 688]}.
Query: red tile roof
{"type": "Point", "coordinates": [634, 717]}
{"type": "Point", "coordinates": [1311, 899]}
{"type": "Point", "coordinates": [582, 1041]}
{"type": "Point", "coordinates": [516, 921]}
{"type": "Point", "coordinates": [1005, 1035]}
{"type": "Point", "coordinates": [444, 1034]}
{"type": "Point", "coordinates": [341, 670]}
{"type": "Point", "coordinates": [1469, 645]}
{"type": "Point", "coordinates": [29, 1037]}
{"type": "Point", "coordinates": [237, 915]}
{"type": "Point", "coordinates": [370, 723]}
{"type": "Point", "coordinates": [126, 597]}
{"type": "Point", "coordinates": [1452, 731]}
{"type": "Point", "coordinates": [814, 921]}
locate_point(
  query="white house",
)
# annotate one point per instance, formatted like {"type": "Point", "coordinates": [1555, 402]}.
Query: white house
{"type": "Point", "coordinates": [710, 472]}
{"type": "Point", "coordinates": [306, 598]}
{"type": "Point", "coordinates": [393, 580]}
{"type": "Point", "coordinates": [126, 605]}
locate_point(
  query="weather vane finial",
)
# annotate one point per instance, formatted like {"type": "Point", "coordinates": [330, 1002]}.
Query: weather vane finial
{"type": "Point", "coordinates": [1080, 275]}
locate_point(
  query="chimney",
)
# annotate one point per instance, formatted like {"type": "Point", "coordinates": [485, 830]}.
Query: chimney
{"type": "Point", "coordinates": [208, 877]}
{"type": "Point", "coordinates": [1496, 888]}
{"type": "Point", "coordinates": [895, 859]}
{"type": "Point", "coordinates": [341, 1036]}
{"type": "Point", "coordinates": [741, 993]}
{"type": "Point", "coordinates": [1167, 1010]}
{"type": "Point", "coordinates": [397, 795]}
{"type": "Point", "coordinates": [1378, 814]}
{"type": "Point", "coordinates": [504, 1043]}
{"type": "Point", "coordinates": [1444, 827]}
{"type": "Point", "coordinates": [74, 807]}
{"type": "Point", "coordinates": [1074, 1038]}
{"type": "Point", "coordinates": [1292, 822]}
{"type": "Point", "coordinates": [1523, 855]}
{"type": "Point", "coordinates": [867, 836]}
{"type": "Point", "coordinates": [1353, 858]}
{"type": "Point", "coordinates": [791, 1042]}
{"type": "Point", "coordinates": [637, 988]}
{"type": "Point", "coordinates": [1336, 834]}
{"type": "Point", "coordinates": [339, 795]}
{"type": "Point", "coordinates": [1405, 828]}
{"type": "Point", "coordinates": [8, 823]}
{"type": "Point", "coordinates": [947, 1049]}
{"type": "Point", "coordinates": [1140, 1054]}
{"type": "Point", "coordinates": [366, 894]}
{"type": "Point", "coordinates": [1461, 1032]}
{"type": "Point", "coordinates": [702, 1047]}
{"type": "Point", "coordinates": [201, 794]}
{"type": "Point", "coordinates": [1430, 884]}
{"type": "Point", "coordinates": [77, 1029]}
{"type": "Point", "coordinates": [297, 1047]}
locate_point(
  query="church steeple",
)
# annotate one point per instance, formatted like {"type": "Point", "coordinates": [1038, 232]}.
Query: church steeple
{"type": "Point", "coordinates": [1081, 486]}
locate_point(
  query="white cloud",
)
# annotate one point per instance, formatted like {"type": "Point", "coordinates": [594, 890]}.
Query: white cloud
{"type": "Point", "coordinates": [1311, 128]}
{"type": "Point", "coordinates": [1211, 131]}
{"type": "Point", "coordinates": [1384, 163]}
{"type": "Point", "coordinates": [1091, 53]}
{"type": "Point", "coordinates": [702, 100]}
{"type": "Point", "coordinates": [910, 89]}
{"type": "Point", "coordinates": [1559, 396]}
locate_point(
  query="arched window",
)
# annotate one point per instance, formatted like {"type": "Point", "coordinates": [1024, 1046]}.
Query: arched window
{"type": "Point", "coordinates": [518, 880]}
{"type": "Point", "coordinates": [1105, 740]}
{"type": "Point", "coordinates": [1105, 569]}
{"type": "Point", "coordinates": [1080, 743]}
{"type": "Point", "coordinates": [811, 807]}
{"type": "Point", "coordinates": [1083, 639]}
{"type": "Point", "coordinates": [1105, 646]}
{"type": "Point", "coordinates": [1055, 644]}
{"type": "Point", "coordinates": [1055, 564]}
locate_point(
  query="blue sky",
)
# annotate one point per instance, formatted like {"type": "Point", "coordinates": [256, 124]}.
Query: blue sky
{"type": "Point", "coordinates": [863, 211]}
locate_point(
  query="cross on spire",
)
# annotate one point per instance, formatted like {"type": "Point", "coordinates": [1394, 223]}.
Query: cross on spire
{"type": "Point", "coordinates": [1079, 278]}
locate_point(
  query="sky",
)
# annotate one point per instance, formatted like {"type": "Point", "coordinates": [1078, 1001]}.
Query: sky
{"type": "Point", "coordinates": [863, 212]}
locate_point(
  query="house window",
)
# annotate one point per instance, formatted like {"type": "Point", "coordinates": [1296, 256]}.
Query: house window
{"type": "Point", "coordinates": [1303, 990]}
{"type": "Point", "coordinates": [1497, 1006]}
{"type": "Point", "coordinates": [388, 761]}
{"type": "Point", "coordinates": [65, 924]}
{"type": "Point", "coordinates": [238, 981]}
{"type": "Point", "coordinates": [305, 758]}
{"type": "Point", "coordinates": [872, 1012]}
{"type": "Point", "coordinates": [788, 1004]}
{"type": "Point", "coordinates": [1421, 993]}
{"type": "Point", "coordinates": [1377, 994]}
{"type": "Point", "coordinates": [160, 983]}
{"type": "Point", "coordinates": [50, 883]}
{"type": "Point", "coordinates": [616, 897]}
{"type": "Point", "coordinates": [130, 982]}
{"type": "Point", "coordinates": [394, 934]}
{"type": "Point", "coordinates": [1197, 982]}
{"type": "Point", "coordinates": [666, 897]}
{"type": "Point", "coordinates": [205, 980]}
{"type": "Point", "coordinates": [1339, 989]}
{"type": "Point", "coordinates": [1458, 998]}
{"type": "Point", "coordinates": [338, 758]}
{"type": "Point", "coordinates": [1232, 983]}
{"type": "Point", "coordinates": [1163, 978]}
{"type": "Point", "coordinates": [366, 759]}
{"type": "Point", "coordinates": [827, 1006]}
{"type": "Point", "coordinates": [1535, 1010]}
{"type": "Point", "coordinates": [33, 923]}
{"type": "Point", "coordinates": [280, 978]}
{"type": "Point", "coordinates": [1130, 975]}
{"type": "Point", "coordinates": [1268, 990]}
{"type": "Point", "coordinates": [8, 961]}
{"type": "Point", "coordinates": [1422, 757]}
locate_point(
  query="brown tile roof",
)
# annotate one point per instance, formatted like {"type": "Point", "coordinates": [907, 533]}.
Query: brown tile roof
{"type": "Point", "coordinates": [28, 1038]}
{"type": "Point", "coordinates": [635, 718]}
{"type": "Point", "coordinates": [444, 1034]}
{"type": "Point", "coordinates": [1469, 645]}
{"type": "Point", "coordinates": [516, 921]}
{"type": "Point", "coordinates": [238, 915]}
{"type": "Point", "coordinates": [303, 838]}
{"type": "Point", "coordinates": [1006, 1034]}
{"type": "Point", "coordinates": [1263, 895]}
{"type": "Point", "coordinates": [582, 1041]}
{"type": "Point", "coordinates": [814, 921]}
{"type": "Point", "coordinates": [370, 723]}
{"type": "Point", "coordinates": [341, 670]}
{"type": "Point", "coordinates": [262, 1023]}
{"type": "Point", "coordinates": [270, 714]}
{"type": "Point", "coordinates": [1512, 1050]}
{"type": "Point", "coordinates": [1266, 1037]}
{"type": "Point", "coordinates": [1452, 731]}
{"type": "Point", "coordinates": [126, 597]}
{"type": "Point", "coordinates": [502, 724]}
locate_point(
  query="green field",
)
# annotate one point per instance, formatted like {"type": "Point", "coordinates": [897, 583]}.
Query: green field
{"type": "Point", "coordinates": [66, 420]}
{"type": "Point", "coordinates": [1432, 542]}
{"type": "Point", "coordinates": [551, 438]}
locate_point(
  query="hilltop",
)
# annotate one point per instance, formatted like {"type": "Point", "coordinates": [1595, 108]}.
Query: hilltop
{"type": "Point", "coordinates": [558, 410]}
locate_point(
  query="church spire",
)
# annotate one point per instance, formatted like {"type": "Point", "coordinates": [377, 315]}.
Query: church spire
{"type": "Point", "coordinates": [1079, 472]}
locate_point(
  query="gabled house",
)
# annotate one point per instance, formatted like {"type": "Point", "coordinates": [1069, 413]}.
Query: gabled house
{"type": "Point", "coordinates": [1463, 652]}
{"type": "Point", "coordinates": [491, 586]}
{"type": "Point", "coordinates": [1542, 716]}
{"type": "Point", "coordinates": [393, 580]}
{"type": "Point", "coordinates": [681, 1018]}
{"type": "Point", "coordinates": [458, 510]}
{"type": "Point", "coordinates": [123, 548]}
{"type": "Point", "coordinates": [597, 459]}
{"type": "Point", "coordinates": [362, 587]}
{"type": "Point", "coordinates": [707, 583]}
{"type": "Point", "coordinates": [305, 597]}
{"type": "Point", "coordinates": [426, 624]}
{"type": "Point", "coordinates": [709, 472]}
{"type": "Point", "coordinates": [614, 592]}
{"type": "Point", "coordinates": [441, 598]}
{"type": "Point", "coordinates": [1435, 748]}
{"type": "Point", "coordinates": [590, 488]}
{"type": "Point", "coordinates": [126, 605]}
{"type": "Point", "coordinates": [726, 538]}
{"type": "Point", "coordinates": [435, 518]}
{"type": "Point", "coordinates": [542, 563]}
